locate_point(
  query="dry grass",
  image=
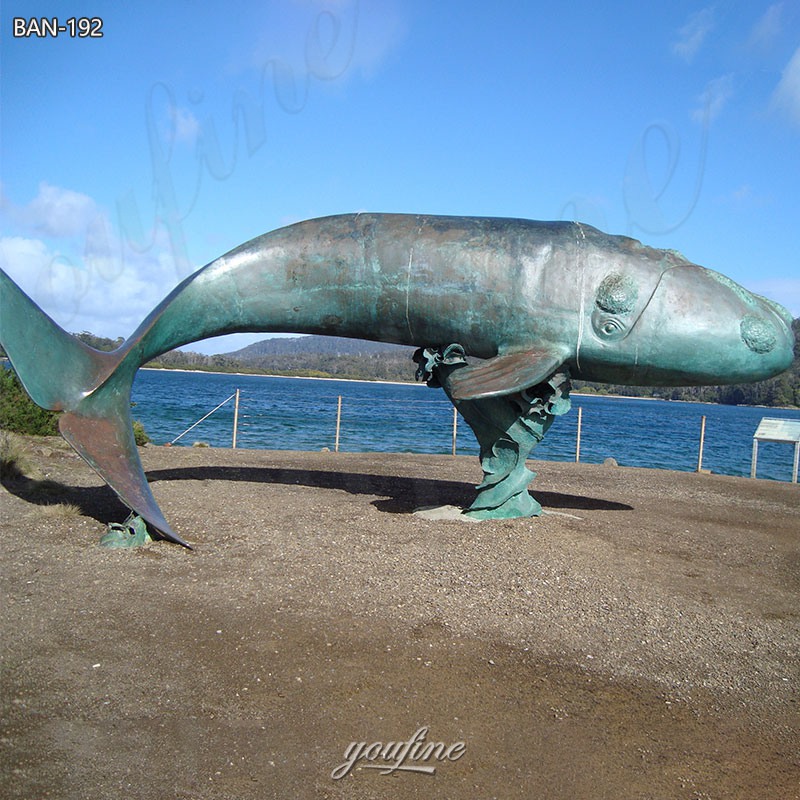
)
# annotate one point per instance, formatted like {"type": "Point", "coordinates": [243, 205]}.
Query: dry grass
{"type": "Point", "coordinates": [18, 468]}
{"type": "Point", "coordinates": [59, 511]}
{"type": "Point", "coordinates": [14, 461]}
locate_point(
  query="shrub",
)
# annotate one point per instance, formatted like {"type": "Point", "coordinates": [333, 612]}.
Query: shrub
{"type": "Point", "coordinates": [19, 413]}
{"type": "Point", "coordinates": [139, 433]}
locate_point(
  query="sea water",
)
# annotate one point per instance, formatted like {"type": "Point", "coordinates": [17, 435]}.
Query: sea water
{"type": "Point", "coordinates": [300, 414]}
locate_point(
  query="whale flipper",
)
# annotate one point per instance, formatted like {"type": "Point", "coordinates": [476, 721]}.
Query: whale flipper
{"type": "Point", "coordinates": [505, 374]}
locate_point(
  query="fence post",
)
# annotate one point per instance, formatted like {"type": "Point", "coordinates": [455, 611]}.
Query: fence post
{"type": "Point", "coordinates": [192, 427]}
{"type": "Point", "coordinates": [338, 424]}
{"type": "Point", "coordinates": [455, 428]}
{"type": "Point", "coordinates": [702, 442]}
{"type": "Point", "coordinates": [578, 440]}
{"type": "Point", "coordinates": [235, 418]}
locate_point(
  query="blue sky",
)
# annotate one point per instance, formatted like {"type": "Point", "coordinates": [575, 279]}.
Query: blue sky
{"type": "Point", "coordinates": [128, 161]}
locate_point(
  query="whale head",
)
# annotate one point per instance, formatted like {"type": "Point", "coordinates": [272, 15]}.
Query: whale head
{"type": "Point", "coordinates": [678, 324]}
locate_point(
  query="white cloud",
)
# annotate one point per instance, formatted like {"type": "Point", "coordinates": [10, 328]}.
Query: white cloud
{"type": "Point", "coordinates": [767, 28]}
{"type": "Point", "coordinates": [325, 40]}
{"type": "Point", "coordinates": [63, 251]}
{"type": "Point", "coordinates": [785, 291]}
{"type": "Point", "coordinates": [381, 29]}
{"type": "Point", "coordinates": [743, 193]}
{"type": "Point", "coordinates": [45, 275]}
{"type": "Point", "coordinates": [786, 97]}
{"type": "Point", "coordinates": [75, 293]}
{"type": "Point", "coordinates": [745, 197]}
{"type": "Point", "coordinates": [713, 99]}
{"type": "Point", "coordinates": [185, 125]}
{"type": "Point", "coordinates": [58, 212]}
{"type": "Point", "coordinates": [108, 292]}
{"type": "Point", "coordinates": [692, 35]}
{"type": "Point", "coordinates": [28, 254]}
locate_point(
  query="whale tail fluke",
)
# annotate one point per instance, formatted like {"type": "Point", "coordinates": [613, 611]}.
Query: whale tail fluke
{"type": "Point", "coordinates": [103, 436]}
{"type": "Point", "coordinates": [57, 369]}
{"type": "Point", "coordinates": [91, 387]}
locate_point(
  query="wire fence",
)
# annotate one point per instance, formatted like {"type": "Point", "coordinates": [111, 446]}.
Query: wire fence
{"type": "Point", "coordinates": [278, 413]}
{"type": "Point", "coordinates": [357, 422]}
{"type": "Point", "coordinates": [353, 411]}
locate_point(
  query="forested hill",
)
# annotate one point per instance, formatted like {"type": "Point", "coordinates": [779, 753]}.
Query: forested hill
{"type": "Point", "coordinates": [318, 345]}
{"type": "Point", "coordinates": [330, 355]}
{"type": "Point", "coordinates": [312, 356]}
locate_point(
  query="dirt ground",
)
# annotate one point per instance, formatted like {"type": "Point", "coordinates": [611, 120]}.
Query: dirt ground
{"type": "Point", "coordinates": [641, 640]}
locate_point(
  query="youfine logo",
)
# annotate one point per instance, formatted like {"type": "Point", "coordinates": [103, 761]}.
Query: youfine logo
{"type": "Point", "coordinates": [404, 756]}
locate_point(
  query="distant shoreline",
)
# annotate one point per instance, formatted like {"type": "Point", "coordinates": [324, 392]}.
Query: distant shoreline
{"type": "Point", "coordinates": [363, 380]}
{"type": "Point", "coordinates": [5, 359]}
{"type": "Point", "coordinates": [423, 384]}
{"type": "Point", "coordinates": [291, 377]}
{"type": "Point", "coordinates": [377, 380]}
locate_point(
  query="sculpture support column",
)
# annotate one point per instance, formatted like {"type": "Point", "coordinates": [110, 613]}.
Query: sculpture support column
{"type": "Point", "coordinates": [507, 428]}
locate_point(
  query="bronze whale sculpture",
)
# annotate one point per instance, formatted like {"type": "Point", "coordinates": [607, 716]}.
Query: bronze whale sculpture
{"type": "Point", "coordinates": [537, 302]}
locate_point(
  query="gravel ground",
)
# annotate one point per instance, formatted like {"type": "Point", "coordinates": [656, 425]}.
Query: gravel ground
{"type": "Point", "coordinates": [640, 640]}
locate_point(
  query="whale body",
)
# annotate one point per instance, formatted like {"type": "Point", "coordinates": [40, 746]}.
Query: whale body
{"type": "Point", "coordinates": [523, 298]}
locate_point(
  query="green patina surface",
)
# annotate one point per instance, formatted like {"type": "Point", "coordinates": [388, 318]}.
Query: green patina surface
{"type": "Point", "coordinates": [507, 427]}
{"type": "Point", "coordinates": [535, 302]}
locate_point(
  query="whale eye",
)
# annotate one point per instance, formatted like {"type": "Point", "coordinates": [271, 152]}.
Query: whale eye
{"type": "Point", "coordinates": [607, 326]}
{"type": "Point", "coordinates": [610, 327]}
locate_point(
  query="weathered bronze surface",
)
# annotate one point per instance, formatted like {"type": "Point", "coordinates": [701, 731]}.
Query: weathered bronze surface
{"type": "Point", "coordinates": [538, 301]}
